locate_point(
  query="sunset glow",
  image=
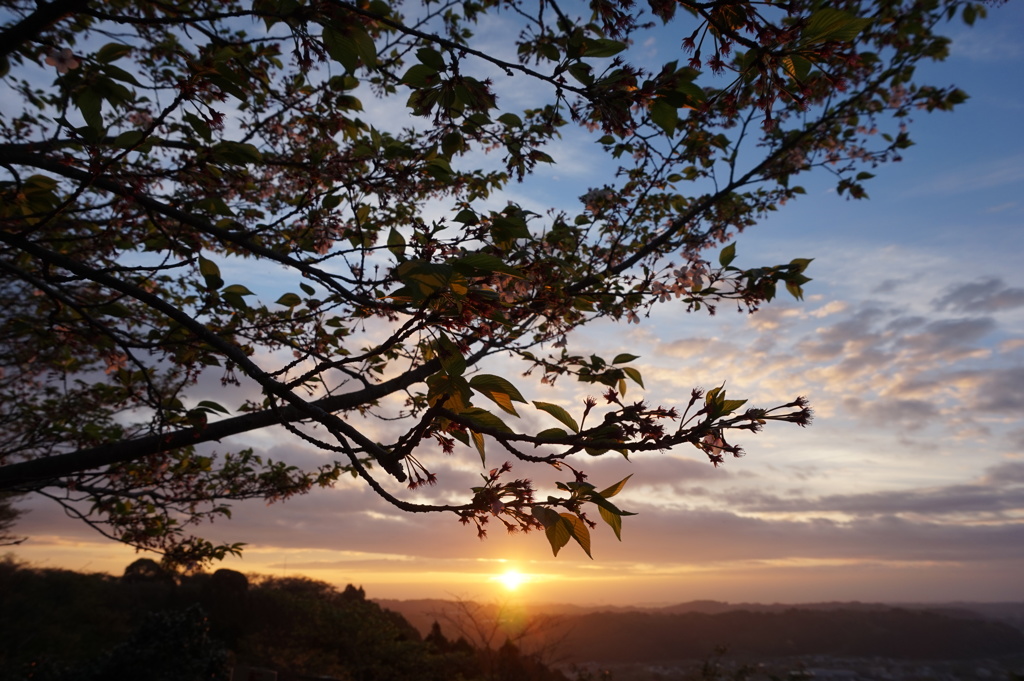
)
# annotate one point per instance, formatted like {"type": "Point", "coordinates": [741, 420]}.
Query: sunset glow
{"type": "Point", "coordinates": [909, 345]}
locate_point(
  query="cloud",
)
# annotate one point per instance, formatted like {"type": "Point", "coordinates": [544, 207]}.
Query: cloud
{"type": "Point", "coordinates": [910, 414]}
{"type": "Point", "coordinates": [989, 41]}
{"type": "Point", "coordinates": [1003, 207]}
{"type": "Point", "coordinates": [1010, 472]}
{"type": "Point", "coordinates": [1011, 345]}
{"type": "Point", "coordinates": [978, 501]}
{"type": "Point", "coordinates": [1001, 392]}
{"type": "Point", "coordinates": [703, 536]}
{"type": "Point", "coordinates": [985, 295]}
{"type": "Point", "coordinates": [974, 177]}
{"type": "Point", "coordinates": [693, 348]}
{"type": "Point", "coordinates": [1016, 439]}
{"type": "Point", "coordinates": [830, 308]}
{"type": "Point", "coordinates": [947, 339]}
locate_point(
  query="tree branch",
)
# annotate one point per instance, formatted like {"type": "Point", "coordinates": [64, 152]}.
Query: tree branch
{"type": "Point", "coordinates": [43, 18]}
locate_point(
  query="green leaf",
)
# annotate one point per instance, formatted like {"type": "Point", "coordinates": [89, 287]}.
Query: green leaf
{"type": "Point", "coordinates": [579, 530]}
{"type": "Point", "coordinates": [234, 300]}
{"type": "Point", "coordinates": [238, 290]}
{"type": "Point", "coordinates": [289, 300]}
{"type": "Point", "coordinates": [970, 14]}
{"type": "Point", "coordinates": [396, 244]}
{"type": "Point", "coordinates": [431, 58]}
{"type": "Point", "coordinates": [614, 520]}
{"type": "Point", "coordinates": [91, 105]}
{"type": "Point", "coordinates": [210, 272]}
{"type": "Point", "coordinates": [341, 48]}
{"type": "Point", "coordinates": [199, 125]}
{"type": "Point", "coordinates": [665, 116]}
{"type": "Point", "coordinates": [729, 406]}
{"type": "Point", "coordinates": [127, 140]}
{"type": "Point", "coordinates": [511, 120]}
{"type": "Point", "coordinates": [553, 432]}
{"type": "Point", "coordinates": [120, 74]}
{"type": "Point", "coordinates": [498, 390]}
{"type": "Point", "coordinates": [485, 419]}
{"type": "Point", "coordinates": [582, 73]}
{"type": "Point", "coordinates": [800, 264]}
{"type": "Point", "coordinates": [212, 406]}
{"type": "Point", "coordinates": [478, 442]}
{"type": "Point", "coordinates": [452, 143]}
{"type": "Point", "coordinates": [229, 79]}
{"type": "Point", "coordinates": [452, 361]}
{"type": "Point", "coordinates": [238, 153]}
{"type": "Point", "coordinates": [365, 46]}
{"type": "Point", "coordinates": [439, 168]}
{"type": "Point", "coordinates": [215, 204]}
{"type": "Point", "coordinates": [727, 255]}
{"type": "Point", "coordinates": [505, 230]}
{"type": "Point", "coordinates": [544, 515]}
{"type": "Point", "coordinates": [616, 488]}
{"type": "Point", "coordinates": [635, 375]}
{"type": "Point", "coordinates": [420, 76]}
{"type": "Point", "coordinates": [112, 52]}
{"type": "Point", "coordinates": [833, 24]}
{"type": "Point", "coordinates": [624, 358]}
{"type": "Point", "coordinates": [556, 528]}
{"type": "Point", "coordinates": [483, 264]}
{"type": "Point", "coordinates": [796, 66]}
{"type": "Point", "coordinates": [424, 279]}
{"type": "Point", "coordinates": [602, 47]}
{"type": "Point", "coordinates": [559, 413]}
{"type": "Point", "coordinates": [454, 389]}
{"type": "Point", "coordinates": [549, 51]}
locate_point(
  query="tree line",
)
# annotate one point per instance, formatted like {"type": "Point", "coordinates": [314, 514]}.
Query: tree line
{"type": "Point", "coordinates": [60, 625]}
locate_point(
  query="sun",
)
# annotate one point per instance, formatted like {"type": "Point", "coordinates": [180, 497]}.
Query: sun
{"type": "Point", "coordinates": [512, 580]}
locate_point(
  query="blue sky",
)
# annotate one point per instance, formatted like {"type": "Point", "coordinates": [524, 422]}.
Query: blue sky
{"type": "Point", "coordinates": [910, 345]}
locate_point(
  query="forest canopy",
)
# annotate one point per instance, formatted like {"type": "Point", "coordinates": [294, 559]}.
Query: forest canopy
{"type": "Point", "coordinates": [219, 217]}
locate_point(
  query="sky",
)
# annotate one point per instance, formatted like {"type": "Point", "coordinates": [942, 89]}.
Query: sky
{"type": "Point", "coordinates": [908, 486]}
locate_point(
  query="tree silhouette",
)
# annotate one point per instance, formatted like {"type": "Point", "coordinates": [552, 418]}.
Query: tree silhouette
{"type": "Point", "coordinates": [217, 217]}
{"type": "Point", "coordinates": [8, 516]}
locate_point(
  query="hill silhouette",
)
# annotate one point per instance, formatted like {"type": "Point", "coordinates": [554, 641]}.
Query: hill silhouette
{"type": "Point", "coordinates": [696, 629]}
{"type": "Point", "coordinates": [59, 625]}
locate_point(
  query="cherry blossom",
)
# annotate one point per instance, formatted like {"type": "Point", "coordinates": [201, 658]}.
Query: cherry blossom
{"type": "Point", "coordinates": [63, 59]}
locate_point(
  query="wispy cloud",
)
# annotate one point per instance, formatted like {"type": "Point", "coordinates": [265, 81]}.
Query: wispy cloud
{"type": "Point", "coordinates": [985, 295]}
{"type": "Point", "coordinates": [972, 177]}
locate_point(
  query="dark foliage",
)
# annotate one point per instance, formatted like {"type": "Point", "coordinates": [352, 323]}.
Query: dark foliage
{"type": "Point", "coordinates": [65, 626]}
{"type": "Point", "coordinates": [8, 516]}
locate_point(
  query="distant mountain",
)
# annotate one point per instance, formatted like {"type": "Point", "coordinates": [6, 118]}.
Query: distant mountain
{"type": "Point", "coordinates": [718, 607]}
{"type": "Point", "coordinates": [1011, 613]}
{"type": "Point", "coordinates": [694, 630]}
{"type": "Point", "coordinates": [894, 633]}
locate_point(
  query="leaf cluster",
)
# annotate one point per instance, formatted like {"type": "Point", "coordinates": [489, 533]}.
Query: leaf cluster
{"type": "Point", "coordinates": [218, 217]}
